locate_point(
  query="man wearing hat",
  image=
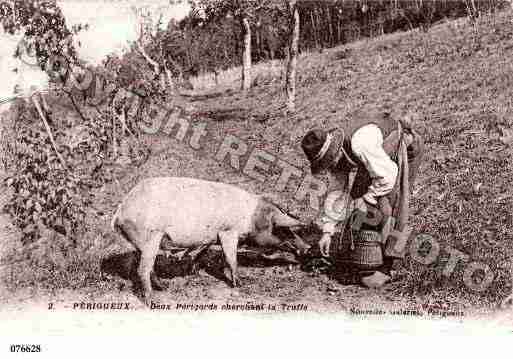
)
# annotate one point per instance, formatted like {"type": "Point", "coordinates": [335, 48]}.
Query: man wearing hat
{"type": "Point", "coordinates": [367, 142]}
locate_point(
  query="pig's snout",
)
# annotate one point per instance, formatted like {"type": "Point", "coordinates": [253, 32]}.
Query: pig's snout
{"type": "Point", "coordinates": [301, 246]}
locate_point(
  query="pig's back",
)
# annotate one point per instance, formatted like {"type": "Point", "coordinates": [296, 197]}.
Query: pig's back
{"type": "Point", "coordinates": [189, 209]}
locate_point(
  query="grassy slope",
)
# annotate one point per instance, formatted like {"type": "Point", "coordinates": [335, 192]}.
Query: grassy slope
{"type": "Point", "coordinates": [457, 80]}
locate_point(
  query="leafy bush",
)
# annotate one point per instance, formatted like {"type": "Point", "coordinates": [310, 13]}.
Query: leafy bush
{"type": "Point", "coordinates": [45, 194]}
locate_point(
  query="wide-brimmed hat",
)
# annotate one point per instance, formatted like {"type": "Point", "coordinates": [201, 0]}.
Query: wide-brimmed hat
{"type": "Point", "coordinates": [322, 148]}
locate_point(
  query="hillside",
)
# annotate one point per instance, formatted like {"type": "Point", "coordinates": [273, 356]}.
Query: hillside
{"type": "Point", "coordinates": [457, 79]}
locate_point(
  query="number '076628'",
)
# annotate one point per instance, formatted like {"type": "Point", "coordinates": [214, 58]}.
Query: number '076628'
{"type": "Point", "coordinates": [25, 348]}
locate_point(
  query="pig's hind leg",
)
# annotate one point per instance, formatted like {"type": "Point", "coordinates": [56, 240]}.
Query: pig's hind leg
{"type": "Point", "coordinates": [149, 249]}
{"type": "Point", "coordinates": [229, 241]}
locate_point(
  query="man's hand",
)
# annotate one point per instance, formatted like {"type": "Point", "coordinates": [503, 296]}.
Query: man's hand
{"type": "Point", "coordinates": [324, 244]}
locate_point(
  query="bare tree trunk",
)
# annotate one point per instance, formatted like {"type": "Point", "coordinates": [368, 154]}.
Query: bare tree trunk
{"type": "Point", "coordinates": [246, 55]}
{"type": "Point", "coordinates": [49, 132]}
{"type": "Point", "coordinates": [13, 2]}
{"type": "Point", "coordinates": [290, 84]}
{"type": "Point", "coordinates": [319, 27]}
{"type": "Point", "coordinates": [474, 8]}
{"type": "Point", "coordinates": [330, 27]}
{"type": "Point", "coordinates": [153, 63]}
{"type": "Point", "coordinates": [314, 28]}
{"type": "Point", "coordinates": [258, 41]}
{"type": "Point", "coordinates": [167, 77]}
{"type": "Point", "coordinates": [339, 28]}
{"type": "Point", "coordinates": [114, 144]}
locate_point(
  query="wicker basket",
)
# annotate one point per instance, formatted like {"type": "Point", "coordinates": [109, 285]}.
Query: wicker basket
{"type": "Point", "coordinates": [366, 253]}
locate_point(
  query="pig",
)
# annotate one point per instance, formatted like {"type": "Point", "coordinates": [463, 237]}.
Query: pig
{"type": "Point", "coordinates": [194, 214]}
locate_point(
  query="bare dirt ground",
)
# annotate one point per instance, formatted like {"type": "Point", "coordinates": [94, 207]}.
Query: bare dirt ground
{"type": "Point", "coordinates": [458, 79]}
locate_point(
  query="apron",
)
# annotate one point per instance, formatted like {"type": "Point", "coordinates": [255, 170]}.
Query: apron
{"type": "Point", "coordinates": [408, 157]}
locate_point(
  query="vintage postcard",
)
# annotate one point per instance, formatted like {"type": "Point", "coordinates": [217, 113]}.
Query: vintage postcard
{"type": "Point", "coordinates": [262, 159]}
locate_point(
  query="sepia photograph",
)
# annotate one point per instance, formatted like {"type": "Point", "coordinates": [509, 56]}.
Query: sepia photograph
{"type": "Point", "coordinates": [280, 160]}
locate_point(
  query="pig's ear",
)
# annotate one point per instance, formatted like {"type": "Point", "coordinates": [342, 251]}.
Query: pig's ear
{"type": "Point", "coordinates": [263, 218]}
{"type": "Point", "coordinates": [267, 239]}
